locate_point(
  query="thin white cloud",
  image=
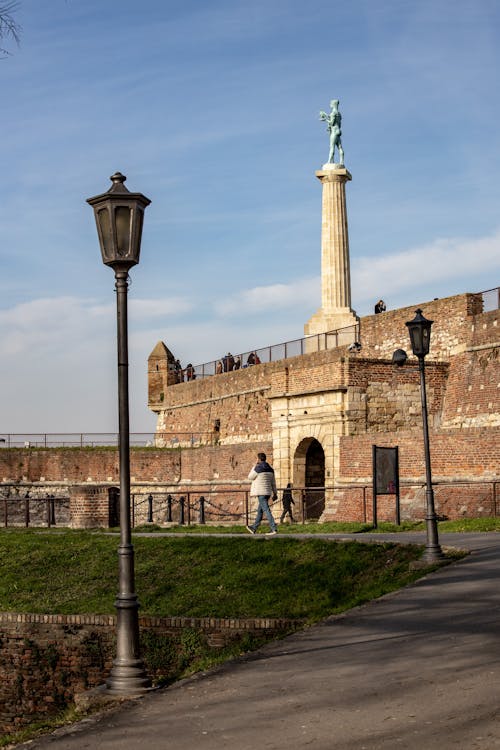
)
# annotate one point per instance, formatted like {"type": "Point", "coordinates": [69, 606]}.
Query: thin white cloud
{"type": "Point", "coordinates": [414, 274]}
{"type": "Point", "coordinates": [271, 297]}
{"type": "Point", "coordinates": [47, 325]}
{"type": "Point", "coordinates": [471, 261]}
{"type": "Point", "coordinates": [157, 308]}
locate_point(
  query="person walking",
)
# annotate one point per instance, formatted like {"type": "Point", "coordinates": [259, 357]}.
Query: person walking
{"type": "Point", "coordinates": [287, 501]}
{"type": "Point", "coordinates": [263, 486]}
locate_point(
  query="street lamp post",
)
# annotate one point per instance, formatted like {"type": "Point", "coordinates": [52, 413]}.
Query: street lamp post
{"type": "Point", "coordinates": [420, 334]}
{"type": "Point", "coordinates": [119, 217]}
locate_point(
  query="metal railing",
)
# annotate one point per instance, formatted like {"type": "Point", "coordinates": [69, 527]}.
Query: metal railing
{"type": "Point", "coordinates": [50, 510]}
{"type": "Point", "coordinates": [491, 299]}
{"type": "Point", "coordinates": [187, 507]}
{"type": "Point", "coordinates": [229, 507]}
{"type": "Point", "coordinates": [275, 352]}
{"type": "Point", "coordinates": [232, 506]}
{"type": "Point", "coordinates": [102, 439]}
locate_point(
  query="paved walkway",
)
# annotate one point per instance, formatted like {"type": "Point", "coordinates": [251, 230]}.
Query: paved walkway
{"type": "Point", "coordinates": [417, 670]}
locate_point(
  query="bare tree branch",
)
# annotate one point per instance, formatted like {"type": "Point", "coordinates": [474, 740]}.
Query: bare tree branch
{"type": "Point", "coordinates": [9, 28]}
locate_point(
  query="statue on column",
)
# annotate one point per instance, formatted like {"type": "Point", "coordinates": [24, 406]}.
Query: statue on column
{"type": "Point", "coordinates": [333, 123]}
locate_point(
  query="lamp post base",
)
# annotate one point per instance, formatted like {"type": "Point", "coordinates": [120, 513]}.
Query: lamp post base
{"type": "Point", "coordinates": [433, 555]}
{"type": "Point", "coordinates": [433, 552]}
{"type": "Point", "coordinates": [128, 679]}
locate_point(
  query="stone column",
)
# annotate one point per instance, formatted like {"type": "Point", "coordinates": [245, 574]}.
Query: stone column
{"type": "Point", "coordinates": [335, 312]}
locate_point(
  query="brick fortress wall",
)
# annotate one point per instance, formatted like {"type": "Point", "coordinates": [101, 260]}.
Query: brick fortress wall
{"type": "Point", "coordinates": [380, 404]}
{"type": "Point", "coordinates": [232, 415]}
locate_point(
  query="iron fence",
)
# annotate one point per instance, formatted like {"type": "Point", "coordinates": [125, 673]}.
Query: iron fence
{"type": "Point", "coordinates": [205, 505]}
{"type": "Point", "coordinates": [101, 439]}
{"type": "Point", "coordinates": [233, 506]}
{"type": "Point", "coordinates": [49, 510]}
{"type": "Point", "coordinates": [275, 352]}
{"type": "Point", "coordinates": [491, 299]}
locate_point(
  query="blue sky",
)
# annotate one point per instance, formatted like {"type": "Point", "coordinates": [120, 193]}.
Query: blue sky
{"type": "Point", "coordinates": [211, 110]}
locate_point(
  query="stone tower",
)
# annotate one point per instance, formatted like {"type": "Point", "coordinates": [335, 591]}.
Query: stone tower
{"type": "Point", "coordinates": [161, 374]}
{"type": "Point", "coordinates": [335, 312]}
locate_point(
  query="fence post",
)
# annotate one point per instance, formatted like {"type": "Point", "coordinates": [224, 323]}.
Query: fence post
{"type": "Point", "coordinates": [47, 504]}
{"type": "Point", "coordinates": [52, 510]}
{"type": "Point", "coordinates": [181, 510]}
{"type": "Point", "coordinates": [150, 508]}
{"type": "Point", "coordinates": [201, 519]}
{"type": "Point", "coordinates": [5, 513]}
{"type": "Point", "coordinates": [26, 509]}
{"type": "Point", "coordinates": [189, 509]}
{"type": "Point", "coordinates": [168, 518]}
{"type": "Point", "coordinates": [303, 505]}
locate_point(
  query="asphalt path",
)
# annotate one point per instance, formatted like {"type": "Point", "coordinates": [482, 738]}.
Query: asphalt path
{"type": "Point", "coordinates": [418, 669]}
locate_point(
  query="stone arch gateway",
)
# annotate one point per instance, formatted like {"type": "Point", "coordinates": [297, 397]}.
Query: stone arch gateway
{"type": "Point", "coordinates": [309, 472]}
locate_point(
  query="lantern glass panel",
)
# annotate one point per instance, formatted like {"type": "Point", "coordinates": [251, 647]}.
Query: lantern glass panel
{"type": "Point", "coordinates": [425, 340]}
{"type": "Point", "coordinates": [416, 339]}
{"type": "Point", "coordinates": [106, 233]}
{"type": "Point", "coordinates": [122, 219]}
{"type": "Point", "coordinates": [139, 223]}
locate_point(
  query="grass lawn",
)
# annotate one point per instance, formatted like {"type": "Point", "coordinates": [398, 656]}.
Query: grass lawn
{"type": "Point", "coordinates": [69, 572]}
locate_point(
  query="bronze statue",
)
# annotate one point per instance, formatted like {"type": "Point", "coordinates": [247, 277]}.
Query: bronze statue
{"type": "Point", "coordinates": [334, 121]}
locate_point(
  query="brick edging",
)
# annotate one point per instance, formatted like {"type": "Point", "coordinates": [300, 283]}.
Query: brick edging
{"type": "Point", "coordinates": [224, 623]}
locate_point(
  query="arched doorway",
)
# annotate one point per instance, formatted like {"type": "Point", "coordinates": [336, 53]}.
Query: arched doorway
{"type": "Point", "coordinates": [309, 472]}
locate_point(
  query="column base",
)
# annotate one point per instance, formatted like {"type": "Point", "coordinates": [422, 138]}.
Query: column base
{"type": "Point", "coordinates": [343, 318]}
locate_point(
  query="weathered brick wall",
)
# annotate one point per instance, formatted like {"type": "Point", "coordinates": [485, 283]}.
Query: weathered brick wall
{"type": "Point", "coordinates": [183, 471]}
{"type": "Point", "coordinates": [242, 416]}
{"type": "Point", "coordinates": [74, 465]}
{"type": "Point", "coordinates": [486, 328]}
{"type": "Point", "coordinates": [392, 394]}
{"type": "Point", "coordinates": [89, 507]}
{"type": "Point", "coordinates": [472, 393]}
{"type": "Point", "coordinates": [381, 334]}
{"type": "Point", "coordinates": [458, 457]}
{"type": "Point", "coordinates": [230, 463]}
{"type": "Point", "coordinates": [45, 660]}
{"type": "Point", "coordinates": [315, 371]}
{"type": "Point", "coordinates": [455, 454]}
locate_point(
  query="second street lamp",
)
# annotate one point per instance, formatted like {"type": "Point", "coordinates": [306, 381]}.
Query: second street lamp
{"type": "Point", "coordinates": [420, 335]}
{"type": "Point", "coordinates": [119, 217]}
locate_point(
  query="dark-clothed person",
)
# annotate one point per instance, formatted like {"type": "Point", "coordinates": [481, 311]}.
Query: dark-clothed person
{"type": "Point", "coordinates": [287, 501]}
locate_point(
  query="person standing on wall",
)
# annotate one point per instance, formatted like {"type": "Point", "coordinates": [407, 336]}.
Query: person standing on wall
{"type": "Point", "coordinates": [263, 486]}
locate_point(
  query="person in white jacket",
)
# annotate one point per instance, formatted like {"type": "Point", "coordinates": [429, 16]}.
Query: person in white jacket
{"type": "Point", "coordinates": [263, 486]}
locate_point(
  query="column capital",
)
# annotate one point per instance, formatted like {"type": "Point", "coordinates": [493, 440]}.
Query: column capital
{"type": "Point", "coordinates": [333, 173]}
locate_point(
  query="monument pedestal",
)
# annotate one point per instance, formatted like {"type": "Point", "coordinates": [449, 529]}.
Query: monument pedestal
{"type": "Point", "coordinates": [323, 322]}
